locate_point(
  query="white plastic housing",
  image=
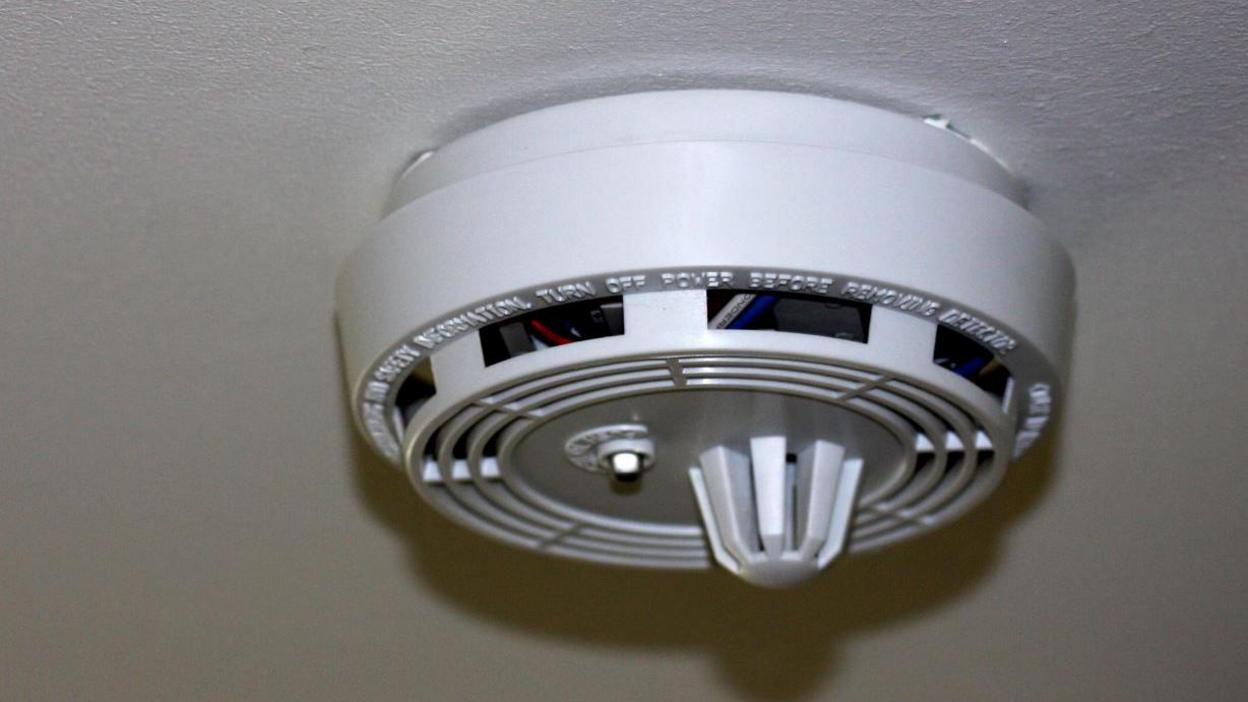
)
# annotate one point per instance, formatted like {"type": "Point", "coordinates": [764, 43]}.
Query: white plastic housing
{"type": "Point", "coordinates": [666, 200]}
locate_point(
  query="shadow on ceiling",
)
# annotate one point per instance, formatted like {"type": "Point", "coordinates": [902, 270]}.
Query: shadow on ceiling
{"type": "Point", "coordinates": [766, 644]}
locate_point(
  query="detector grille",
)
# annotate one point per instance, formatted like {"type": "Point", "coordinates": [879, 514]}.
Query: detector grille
{"type": "Point", "coordinates": [464, 456]}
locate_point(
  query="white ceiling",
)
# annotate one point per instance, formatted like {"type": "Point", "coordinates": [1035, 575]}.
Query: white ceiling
{"type": "Point", "coordinates": [185, 513]}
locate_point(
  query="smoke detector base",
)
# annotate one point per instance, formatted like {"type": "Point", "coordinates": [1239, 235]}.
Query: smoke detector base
{"type": "Point", "coordinates": [682, 328]}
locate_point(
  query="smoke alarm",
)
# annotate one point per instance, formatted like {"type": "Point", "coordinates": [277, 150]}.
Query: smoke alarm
{"type": "Point", "coordinates": [682, 328]}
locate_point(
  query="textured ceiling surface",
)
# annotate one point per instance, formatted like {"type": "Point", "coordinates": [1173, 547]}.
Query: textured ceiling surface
{"type": "Point", "coordinates": [185, 513]}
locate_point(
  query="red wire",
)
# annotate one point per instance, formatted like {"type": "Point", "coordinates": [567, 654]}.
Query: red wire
{"type": "Point", "coordinates": [549, 334]}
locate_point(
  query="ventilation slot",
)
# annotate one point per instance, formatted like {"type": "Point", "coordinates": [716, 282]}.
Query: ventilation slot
{"type": "Point", "coordinates": [968, 358]}
{"type": "Point", "coordinates": [800, 314]}
{"type": "Point", "coordinates": [413, 393]}
{"type": "Point", "coordinates": [460, 468]}
{"type": "Point", "coordinates": [552, 326]}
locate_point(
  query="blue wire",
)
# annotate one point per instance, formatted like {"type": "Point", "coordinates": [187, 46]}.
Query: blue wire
{"type": "Point", "coordinates": [971, 367]}
{"type": "Point", "coordinates": [761, 304]}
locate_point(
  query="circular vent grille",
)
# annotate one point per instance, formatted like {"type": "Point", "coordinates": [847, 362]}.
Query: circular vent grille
{"type": "Point", "coordinates": [466, 457]}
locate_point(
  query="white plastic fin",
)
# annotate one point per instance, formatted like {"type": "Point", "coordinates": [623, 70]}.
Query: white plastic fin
{"type": "Point", "coordinates": [772, 523]}
{"type": "Point", "coordinates": [721, 554]}
{"type": "Point", "coordinates": [770, 473]}
{"type": "Point", "coordinates": [722, 468]}
{"type": "Point", "coordinates": [817, 469]}
{"type": "Point", "coordinates": [842, 511]}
